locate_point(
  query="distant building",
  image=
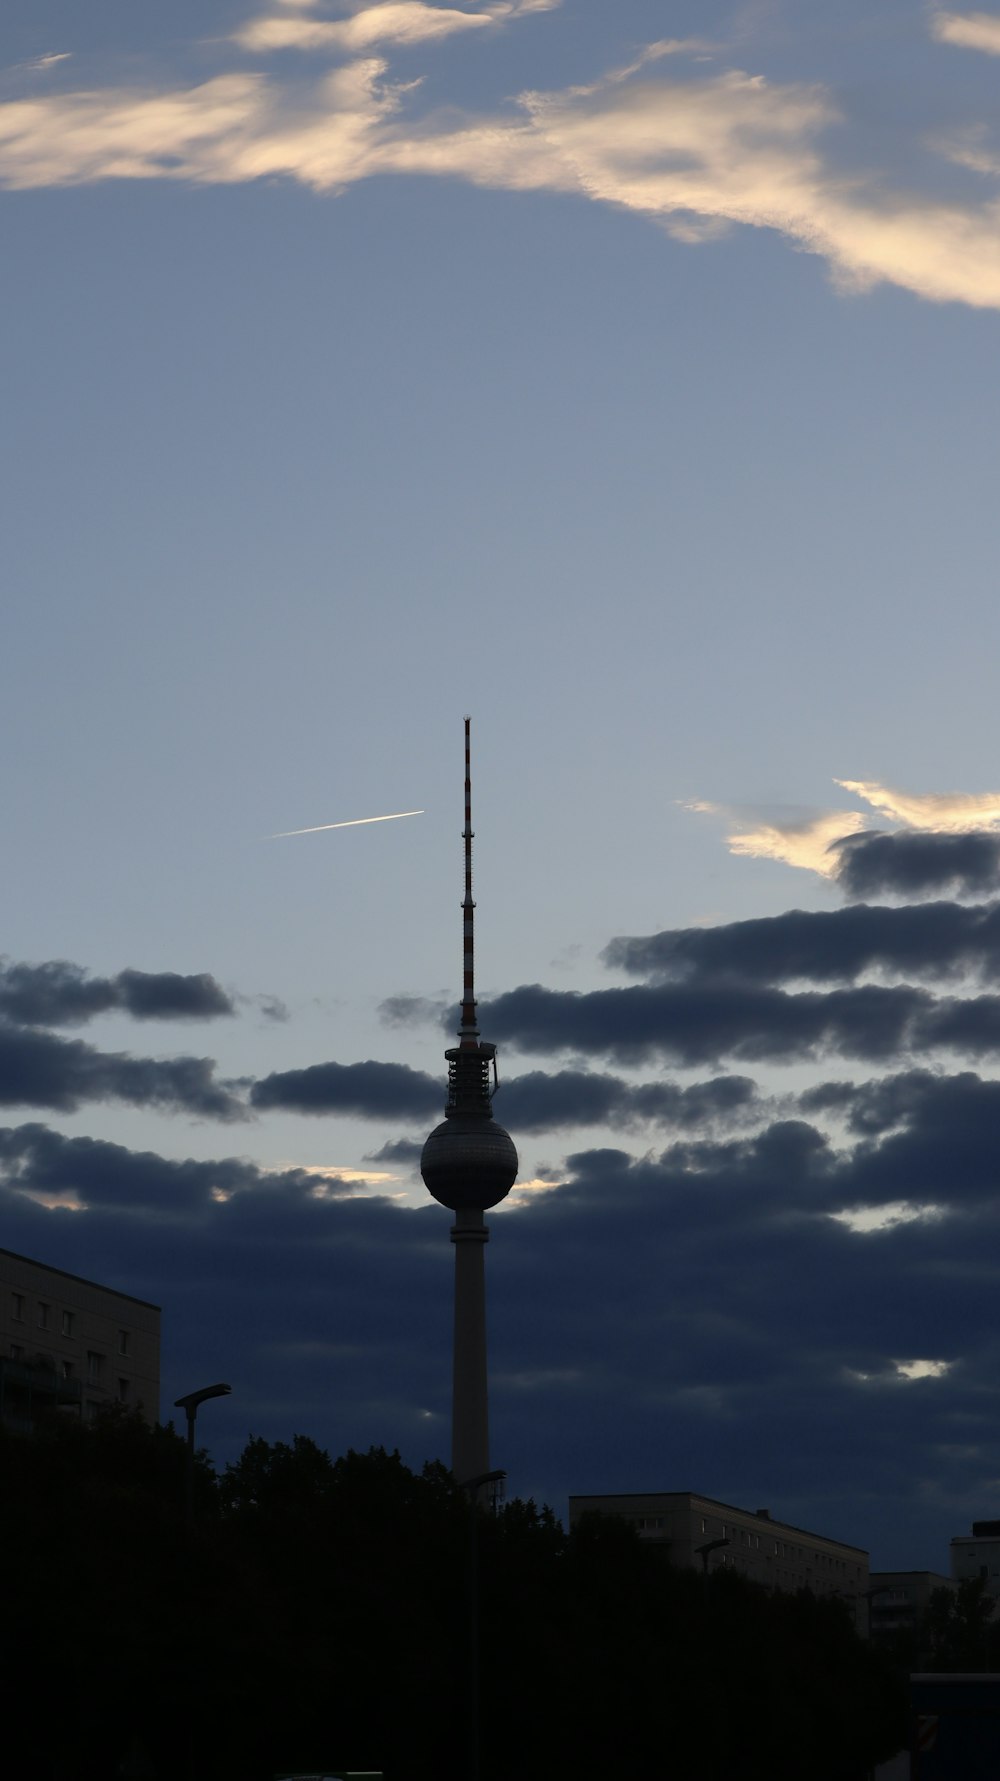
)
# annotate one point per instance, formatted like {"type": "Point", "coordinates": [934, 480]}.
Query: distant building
{"type": "Point", "coordinates": [978, 1555]}
{"type": "Point", "coordinates": [69, 1344]}
{"type": "Point", "coordinates": [758, 1547]}
{"type": "Point", "coordinates": [900, 1599]}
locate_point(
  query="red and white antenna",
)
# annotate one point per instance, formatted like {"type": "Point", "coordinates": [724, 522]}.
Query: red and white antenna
{"type": "Point", "coordinates": [468, 1031]}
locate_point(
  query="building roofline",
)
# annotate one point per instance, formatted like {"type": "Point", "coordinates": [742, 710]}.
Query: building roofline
{"type": "Point", "coordinates": [697, 1496]}
{"type": "Point", "coordinates": [81, 1279]}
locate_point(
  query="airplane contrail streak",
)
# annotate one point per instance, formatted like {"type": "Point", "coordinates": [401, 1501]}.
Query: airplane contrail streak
{"type": "Point", "coordinates": [355, 823]}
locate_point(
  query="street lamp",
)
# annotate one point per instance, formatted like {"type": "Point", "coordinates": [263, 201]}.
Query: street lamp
{"type": "Point", "coordinates": [189, 1405]}
{"type": "Point", "coordinates": [709, 1546]}
{"type": "Point", "coordinates": [472, 1488]}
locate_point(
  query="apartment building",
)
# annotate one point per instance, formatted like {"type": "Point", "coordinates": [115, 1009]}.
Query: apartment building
{"type": "Point", "coordinates": [900, 1600]}
{"type": "Point", "coordinates": [701, 1532]}
{"type": "Point", "coordinates": [70, 1344]}
{"type": "Point", "coordinates": [978, 1555]}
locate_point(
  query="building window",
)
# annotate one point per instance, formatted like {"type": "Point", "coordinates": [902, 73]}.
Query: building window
{"type": "Point", "coordinates": [123, 1341]}
{"type": "Point", "coordinates": [16, 1351]}
{"type": "Point", "coordinates": [703, 1527]}
{"type": "Point", "coordinates": [123, 1391]}
{"type": "Point", "coordinates": [17, 1306]}
{"type": "Point", "coordinates": [67, 1369]}
{"type": "Point", "coordinates": [95, 1365]}
{"type": "Point", "coordinates": [43, 1315]}
{"type": "Point", "coordinates": [67, 1323]}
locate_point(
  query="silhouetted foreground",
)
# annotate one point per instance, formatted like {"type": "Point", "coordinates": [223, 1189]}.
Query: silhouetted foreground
{"type": "Point", "coordinates": [316, 1615]}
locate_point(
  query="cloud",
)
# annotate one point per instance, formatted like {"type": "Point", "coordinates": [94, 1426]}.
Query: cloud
{"type": "Point", "coordinates": [373, 1090]}
{"type": "Point", "coordinates": [538, 1101]}
{"type": "Point", "coordinates": [924, 863]}
{"type": "Point", "coordinates": [404, 1151]}
{"type": "Point", "coordinates": [734, 148]}
{"type": "Point", "coordinates": [41, 1070]}
{"type": "Point", "coordinates": [795, 839]}
{"type": "Point", "coordinates": [402, 22]}
{"type": "Point", "coordinates": [58, 993]}
{"type": "Point", "coordinates": [226, 131]}
{"type": "Point", "coordinates": [968, 30]}
{"type": "Point", "coordinates": [40, 1162]}
{"type": "Point", "coordinates": [695, 154]}
{"type": "Point", "coordinates": [404, 1011]}
{"type": "Point", "coordinates": [817, 840]}
{"type": "Point", "coordinates": [704, 1022]}
{"type": "Point", "coordinates": [919, 1099]}
{"type": "Point", "coordinates": [823, 946]}
{"type": "Point", "coordinates": [946, 812]}
{"type": "Point", "coordinates": [541, 1101]}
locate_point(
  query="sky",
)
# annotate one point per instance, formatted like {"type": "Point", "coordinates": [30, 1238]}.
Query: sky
{"type": "Point", "coordinates": [626, 377]}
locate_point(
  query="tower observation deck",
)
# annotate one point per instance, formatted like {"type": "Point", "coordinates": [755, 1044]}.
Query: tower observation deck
{"type": "Point", "coordinates": [469, 1163]}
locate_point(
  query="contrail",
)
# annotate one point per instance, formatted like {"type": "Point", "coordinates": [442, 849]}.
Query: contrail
{"type": "Point", "coordinates": [355, 823]}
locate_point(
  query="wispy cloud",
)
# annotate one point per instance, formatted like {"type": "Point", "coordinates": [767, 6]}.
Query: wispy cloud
{"type": "Point", "coordinates": [391, 21]}
{"type": "Point", "coordinates": [945, 812]}
{"type": "Point", "coordinates": [696, 153]}
{"type": "Point", "coordinates": [796, 840]}
{"type": "Point", "coordinates": [968, 30]}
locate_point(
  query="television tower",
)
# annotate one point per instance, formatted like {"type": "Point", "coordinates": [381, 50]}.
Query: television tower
{"type": "Point", "coordinates": [469, 1163]}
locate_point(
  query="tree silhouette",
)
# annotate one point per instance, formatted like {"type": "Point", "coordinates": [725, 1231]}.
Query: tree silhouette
{"type": "Point", "coordinates": [316, 1613]}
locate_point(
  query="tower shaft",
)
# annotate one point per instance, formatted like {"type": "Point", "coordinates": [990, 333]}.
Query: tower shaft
{"type": "Point", "coordinates": [470, 1427]}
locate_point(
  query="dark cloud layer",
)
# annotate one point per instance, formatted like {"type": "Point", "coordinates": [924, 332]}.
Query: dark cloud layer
{"type": "Point", "coordinates": [822, 946]}
{"type": "Point", "coordinates": [62, 994]}
{"type": "Point", "coordinates": [691, 1319]}
{"type": "Point", "coordinates": [40, 1069]}
{"type": "Point", "coordinates": [37, 1160]}
{"type": "Point", "coordinates": [699, 1316]}
{"type": "Point", "coordinates": [539, 1101]}
{"type": "Point", "coordinates": [374, 1090]}
{"type": "Point", "coordinates": [704, 1022]}
{"type": "Point", "coordinates": [911, 864]}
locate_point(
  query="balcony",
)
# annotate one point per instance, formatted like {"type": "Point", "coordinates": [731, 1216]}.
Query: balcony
{"type": "Point", "coordinates": [27, 1386]}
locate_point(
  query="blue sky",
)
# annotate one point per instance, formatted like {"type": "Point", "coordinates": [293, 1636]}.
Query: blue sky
{"type": "Point", "coordinates": [627, 377]}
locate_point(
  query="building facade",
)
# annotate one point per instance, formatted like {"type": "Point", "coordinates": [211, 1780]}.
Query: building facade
{"type": "Point", "coordinates": [764, 1550]}
{"type": "Point", "coordinates": [67, 1343]}
{"type": "Point", "coordinates": [978, 1555]}
{"type": "Point", "coordinates": [900, 1600]}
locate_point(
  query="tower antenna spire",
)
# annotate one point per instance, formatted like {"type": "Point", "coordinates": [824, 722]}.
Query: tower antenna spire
{"type": "Point", "coordinates": [468, 1030]}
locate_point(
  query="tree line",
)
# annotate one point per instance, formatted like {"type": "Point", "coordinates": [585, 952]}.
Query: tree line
{"type": "Point", "coordinates": [317, 1612]}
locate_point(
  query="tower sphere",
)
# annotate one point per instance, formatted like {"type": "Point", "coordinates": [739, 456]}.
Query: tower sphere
{"type": "Point", "coordinates": [469, 1161]}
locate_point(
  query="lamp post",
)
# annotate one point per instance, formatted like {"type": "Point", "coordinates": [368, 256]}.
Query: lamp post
{"type": "Point", "coordinates": [472, 1488]}
{"type": "Point", "coordinates": [709, 1546]}
{"type": "Point", "coordinates": [189, 1405]}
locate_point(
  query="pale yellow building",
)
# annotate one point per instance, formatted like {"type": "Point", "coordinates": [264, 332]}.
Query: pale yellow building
{"type": "Point", "coordinates": [758, 1547]}
{"type": "Point", "coordinates": [71, 1344]}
